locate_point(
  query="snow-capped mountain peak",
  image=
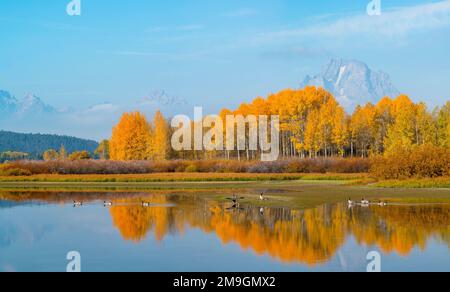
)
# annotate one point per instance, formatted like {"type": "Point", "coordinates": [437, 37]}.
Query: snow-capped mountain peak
{"type": "Point", "coordinates": [353, 83]}
{"type": "Point", "coordinates": [30, 104]}
{"type": "Point", "coordinates": [33, 105]}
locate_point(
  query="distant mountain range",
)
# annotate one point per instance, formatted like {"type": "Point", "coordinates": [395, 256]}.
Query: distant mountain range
{"type": "Point", "coordinates": [36, 144]}
{"type": "Point", "coordinates": [30, 104]}
{"type": "Point", "coordinates": [353, 83]}
{"type": "Point", "coordinates": [32, 114]}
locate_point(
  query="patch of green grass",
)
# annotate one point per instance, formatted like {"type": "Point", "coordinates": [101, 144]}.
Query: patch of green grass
{"type": "Point", "coordinates": [334, 177]}
{"type": "Point", "coordinates": [443, 182]}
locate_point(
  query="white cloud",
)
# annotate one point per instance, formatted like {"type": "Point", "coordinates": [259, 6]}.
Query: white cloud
{"type": "Point", "coordinates": [391, 23]}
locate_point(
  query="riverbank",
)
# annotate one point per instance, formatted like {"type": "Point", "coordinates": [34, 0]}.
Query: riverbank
{"type": "Point", "coordinates": [155, 178]}
{"type": "Point", "coordinates": [300, 194]}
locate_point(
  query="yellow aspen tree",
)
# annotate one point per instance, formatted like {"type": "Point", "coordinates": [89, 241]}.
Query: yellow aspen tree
{"type": "Point", "coordinates": [384, 119]}
{"type": "Point", "coordinates": [403, 132]}
{"type": "Point", "coordinates": [425, 128]}
{"type": "Point", "coordinates": [325, 128]}
{"type": "Point", "coordinates": [160, 137]}
{"type": "Point", "coordinates": [103, 150]}
{"type": "Point", "coordinates": [443, 126]}
{"type": "Point", "coordinates": [340, 130]}
{"type": "Point", "coordinates": [223, 115]}
{"type": "Point", "coordinates": [312, 134]}
{"type": "Point", "coordinates": [362, 128]}
{"type": "Point", "coordinates": [62, 153]}
{"type": "Point", "coordinates": [130, 138]}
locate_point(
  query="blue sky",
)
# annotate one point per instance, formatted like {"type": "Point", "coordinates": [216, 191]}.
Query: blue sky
{"type": "Point", "coordinates": [214, 53]}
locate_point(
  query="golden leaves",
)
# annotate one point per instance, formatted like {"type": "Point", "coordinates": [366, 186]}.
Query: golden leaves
{"type": "Point", "coordinates": [135, 139]}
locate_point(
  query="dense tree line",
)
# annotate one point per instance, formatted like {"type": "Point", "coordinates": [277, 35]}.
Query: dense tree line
{"type": "Point", "coordinates": [36, 144]}
{"type": "Point", "coordinates": [312, 124]}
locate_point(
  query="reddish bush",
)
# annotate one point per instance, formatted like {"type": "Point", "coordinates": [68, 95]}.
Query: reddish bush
{"type": "Point", "coordinates": [321, 165]}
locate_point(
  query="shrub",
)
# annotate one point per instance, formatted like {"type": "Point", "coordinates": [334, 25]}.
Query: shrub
{"type": "Point", "coordinates": [425, 161]}
{"type": "Point", "coordinates": [6, 171]}
{"type": "Point", "coordinates": [79, 155]}
{"type": "Point", "coordinates": [297, 165]}
{"type": "Point", "coordinates": [191, 168]}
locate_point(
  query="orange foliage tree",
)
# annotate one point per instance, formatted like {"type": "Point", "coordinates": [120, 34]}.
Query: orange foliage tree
{"type": "Point", "coordinates": [131, 138]}
{"type": "Point", "coordinates": [312, 124]}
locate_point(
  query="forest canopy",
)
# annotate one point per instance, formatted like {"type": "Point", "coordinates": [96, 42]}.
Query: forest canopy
{"type": "Point", "coordinates": [36, 144]}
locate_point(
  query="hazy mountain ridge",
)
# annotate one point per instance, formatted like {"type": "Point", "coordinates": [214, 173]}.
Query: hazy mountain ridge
{"type": "Point", "coordinates": [8, 103]}
{"type": "Point", "coordinates": [353, 83]}
{"type": "Point", "coordinates": [32, 114]}
{"type": "Point", "coordinates": [10, 106]}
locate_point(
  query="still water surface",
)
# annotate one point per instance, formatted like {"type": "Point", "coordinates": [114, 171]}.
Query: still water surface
{"type": "Point", "coordinates": [191, 233]}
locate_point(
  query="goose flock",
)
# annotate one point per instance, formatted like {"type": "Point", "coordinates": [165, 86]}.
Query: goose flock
{"type": "Point", "coordinates": [108, 204]}
{"type": "Point", "coordinates": [365, 203]}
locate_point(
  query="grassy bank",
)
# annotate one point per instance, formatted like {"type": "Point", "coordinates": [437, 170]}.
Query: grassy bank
{"type": "Point", "coordinates": [164, 180]}
{"type": "Point", "coordinates": [440, 182]}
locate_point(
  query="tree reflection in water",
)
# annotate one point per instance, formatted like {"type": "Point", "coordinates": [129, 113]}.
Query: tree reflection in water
{"type": "Point", "coordinates": [310, 236]}
{"type": "Point", "coordinates": [292, 236]}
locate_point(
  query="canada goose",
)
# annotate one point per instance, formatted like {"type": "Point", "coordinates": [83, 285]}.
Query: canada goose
{"type": "Point", "coordinates": [145, 204]}
{"type": "Point", "coordinates": [382, 204]}
{"type": "Point", "coordinates": [235, 199]}
{"type": "Point", "coordinates": [107, 204]}
{"type": "Point", "coordinates": [350, 202]}
{"type": "Point", "coordinates": [365, 202]}
{"type": "Point", "coordinates": [77, 204]}
{"type": "Point", "coordinates": [236, 205]}
{"type": "Point", "coordinates": [262, 197]}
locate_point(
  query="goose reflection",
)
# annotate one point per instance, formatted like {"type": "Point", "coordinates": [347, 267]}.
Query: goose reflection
{"type": "Point", "coordinates": [236, 205]}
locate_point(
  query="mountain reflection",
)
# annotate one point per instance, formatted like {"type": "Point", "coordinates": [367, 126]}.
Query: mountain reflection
{"type": "Point", "coordinates": [292, 236]}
